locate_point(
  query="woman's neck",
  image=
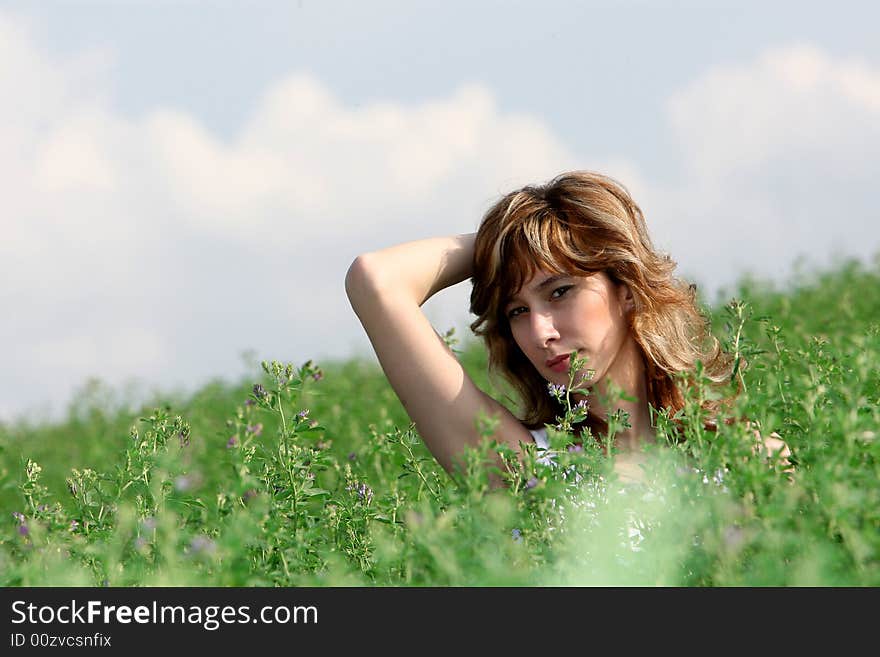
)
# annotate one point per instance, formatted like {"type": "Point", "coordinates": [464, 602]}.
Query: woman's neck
{"type": "Point", "coordinates": [627, 374]}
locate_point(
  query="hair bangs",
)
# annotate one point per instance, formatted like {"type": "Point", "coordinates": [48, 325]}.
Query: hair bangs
{"type": "Point", "coordinates": [538, 243]}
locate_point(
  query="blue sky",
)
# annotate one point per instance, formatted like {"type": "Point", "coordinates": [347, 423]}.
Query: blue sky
{"type": "Point", "coordinates": [189, 180]}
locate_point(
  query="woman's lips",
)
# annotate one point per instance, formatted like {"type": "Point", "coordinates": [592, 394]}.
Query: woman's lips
{"type": "Point", "coordinates": [559, 365]}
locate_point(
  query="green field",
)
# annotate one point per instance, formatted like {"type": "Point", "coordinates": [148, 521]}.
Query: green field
{"type": "Point", "coordinates": [209, 490]}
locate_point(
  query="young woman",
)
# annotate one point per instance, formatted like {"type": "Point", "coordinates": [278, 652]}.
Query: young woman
{"type": "Point", "coordinates": [559, 268]}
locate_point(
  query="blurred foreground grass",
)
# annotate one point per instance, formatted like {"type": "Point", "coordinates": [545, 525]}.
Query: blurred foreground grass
{"type": "Point", "coordinates": [213, 489]}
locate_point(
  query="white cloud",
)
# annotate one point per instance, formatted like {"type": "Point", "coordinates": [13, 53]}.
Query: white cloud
{"type": "Point", "coordinates": [151, 247]}
{"type": "Point", "coordinates": [790, 101]}
{"type": "Point", "coordinates": [779, 154]}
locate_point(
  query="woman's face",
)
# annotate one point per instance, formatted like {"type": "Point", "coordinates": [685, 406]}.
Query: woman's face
{"type": "Point", "coordinates": [555, 314]}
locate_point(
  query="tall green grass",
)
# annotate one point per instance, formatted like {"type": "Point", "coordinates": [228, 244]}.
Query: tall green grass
{"type": "Point", "coordinates": [307, 475]}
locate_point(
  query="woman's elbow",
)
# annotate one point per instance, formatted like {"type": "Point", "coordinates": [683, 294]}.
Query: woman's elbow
{"type": "Point", "coordinates": [358, 278]}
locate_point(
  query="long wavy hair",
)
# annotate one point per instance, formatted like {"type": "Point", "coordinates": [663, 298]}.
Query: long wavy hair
{"type": "Point", "coordinates": [582, 223]}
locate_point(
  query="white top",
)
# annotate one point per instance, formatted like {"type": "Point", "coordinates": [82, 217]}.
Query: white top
{"type": "Point", "coordinates": [543, 442]}
{"type": "Point", "coordinates": [635, 527]}
{"type": "Point", "coordinates": [540, 436]}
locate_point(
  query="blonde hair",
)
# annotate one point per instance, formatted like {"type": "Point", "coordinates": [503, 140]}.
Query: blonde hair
{"type": "Point", "coordinates": [582, 223]}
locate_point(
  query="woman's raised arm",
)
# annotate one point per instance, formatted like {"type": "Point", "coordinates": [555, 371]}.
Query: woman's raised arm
{"type": "Point", "coordinates": [386, 289]}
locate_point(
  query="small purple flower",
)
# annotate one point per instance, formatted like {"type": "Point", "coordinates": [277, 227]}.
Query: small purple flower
{"type": "Point", "coordinates": [232, 442]}
{"type": "Point", "coordinates": [149, 523]}
{"type": "Point", "coordinates": [202, 545]}
{"type": "Point", "coordinates": [23, 529]}
{"type": "Point", "coordinates": [249, 402]}
{"type": "Point", "coordinates": [575, 448]}
{"type": "Point", "coordinates": [531, 483]}
{"type": "Point", "coordinates": [255, 429]}
{"type": "Point", "coordinates": [73, 525]}
{"type": "Point", "coordinates": [317, 376]}
{"type": "Point", "coordinates": [260, 391]}
{"type": "Point", "coordinates": [18, 516]}
{"type": "Point", "coordinates": [352, 456]}
{"type": "Point", "coordinates": [734, 537]}
{"type": "Point", "coordinates": [364, 492]}
{"type": "Point", "coordinates": [304, 414]}
{"type": "Point", "coordinates": [516, 535]}
{"type": "Point", "coordinates": [556, 391]}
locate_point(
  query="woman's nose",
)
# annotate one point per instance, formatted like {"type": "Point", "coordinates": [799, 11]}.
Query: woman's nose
{"type": "Point", "coordinates": [544, 329]}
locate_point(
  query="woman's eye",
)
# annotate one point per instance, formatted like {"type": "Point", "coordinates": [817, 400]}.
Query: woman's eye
{"type": "Point", "coordinates": [516, 312]}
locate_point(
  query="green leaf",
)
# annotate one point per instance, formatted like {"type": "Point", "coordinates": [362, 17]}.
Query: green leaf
{"type": "Point", "coordinates": [312, 492]}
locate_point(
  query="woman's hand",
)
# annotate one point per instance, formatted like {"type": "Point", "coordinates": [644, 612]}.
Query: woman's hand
{"type": "Point", "coordinates": [775, 448]}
